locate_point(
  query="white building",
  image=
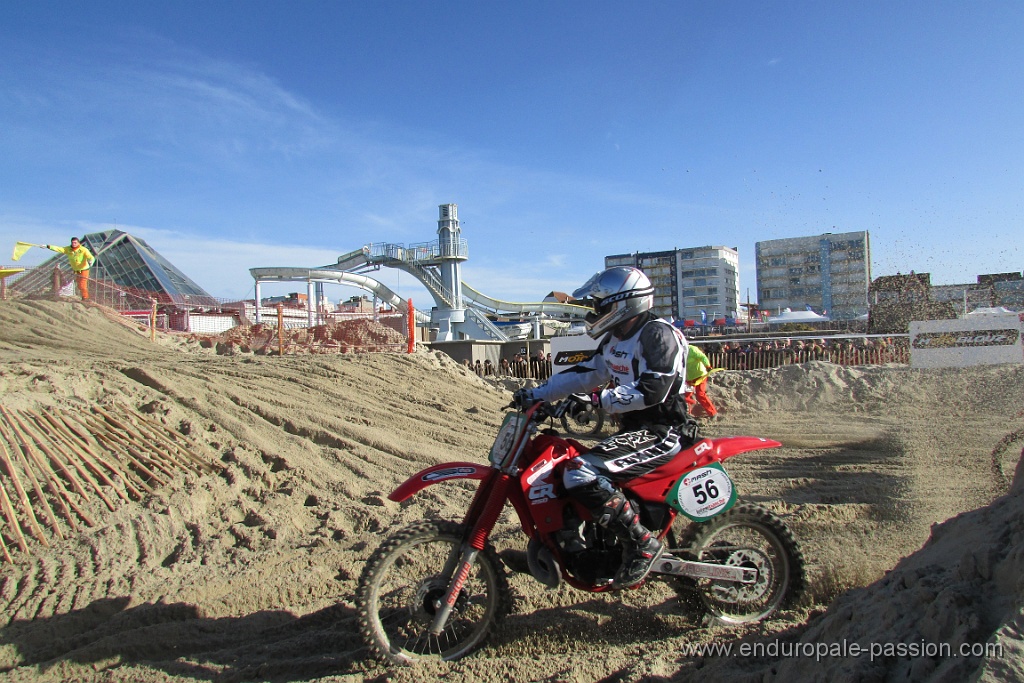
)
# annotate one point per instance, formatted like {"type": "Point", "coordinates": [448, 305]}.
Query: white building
{"type": "Point", "coordinates": [688, 281]}
{"type": "Point", "coordinates": [831, 273]}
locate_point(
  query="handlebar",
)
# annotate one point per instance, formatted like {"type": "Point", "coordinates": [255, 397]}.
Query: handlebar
{"type": "Point", "coordinates": [545, 409]}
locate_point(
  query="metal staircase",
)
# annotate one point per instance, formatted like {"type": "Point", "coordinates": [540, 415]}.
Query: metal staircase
{"type": "Point", "coordinates": [483, 323]}
{"type": "Point", "coordinates": [353, 259]}
{"type": "Point", "coordinates": [431, 280]}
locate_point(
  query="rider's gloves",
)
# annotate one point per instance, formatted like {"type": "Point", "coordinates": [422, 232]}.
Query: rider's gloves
{"type": "Point", "coordinates": [523, 398]}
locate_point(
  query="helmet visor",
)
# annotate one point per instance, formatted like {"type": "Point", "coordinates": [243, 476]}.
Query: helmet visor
{"type": "Point", "coordinates": [600, 308]}
{"type": "Point", "coordinates": [597, 306]}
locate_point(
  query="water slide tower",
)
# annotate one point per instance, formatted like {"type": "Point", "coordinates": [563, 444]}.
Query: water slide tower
{"type": "Point", "coordinates": [452, 252]}
{"type": "Point", "coordinates": [459, 312]}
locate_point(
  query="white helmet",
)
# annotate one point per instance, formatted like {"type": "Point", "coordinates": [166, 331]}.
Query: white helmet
{"type": "Point", "coordinates": [616, 294]}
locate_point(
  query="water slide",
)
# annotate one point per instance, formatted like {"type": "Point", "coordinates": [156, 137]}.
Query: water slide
{"type": "Point", "coordinates": [397, 257]}
{"type": "Point", "coordinates": [499, 306]}
{"type": "Point", "coordinates": [380, 290]}
{"type": "Point", "coordinates": [384, 293]}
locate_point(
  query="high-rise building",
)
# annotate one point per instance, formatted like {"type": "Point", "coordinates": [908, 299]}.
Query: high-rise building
{"type": "Point", "coordinates": [689, 281]}
{"type": "Point", "coordinates": [829, 273]}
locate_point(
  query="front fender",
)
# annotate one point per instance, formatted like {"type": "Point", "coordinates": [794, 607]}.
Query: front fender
{"type": "Point", "coordinates": [437, 474]}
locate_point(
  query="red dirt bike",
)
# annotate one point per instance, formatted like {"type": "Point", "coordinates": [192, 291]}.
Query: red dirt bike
{"type": "Point", "coordinates": [436, 589]}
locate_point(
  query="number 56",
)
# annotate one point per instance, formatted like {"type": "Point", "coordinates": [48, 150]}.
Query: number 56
{"type": "Point", "coordinates": [705, 491]}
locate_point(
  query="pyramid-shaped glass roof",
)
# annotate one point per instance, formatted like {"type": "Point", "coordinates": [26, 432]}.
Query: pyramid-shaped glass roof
{"type": "Point", "coordinates": [129, 264]}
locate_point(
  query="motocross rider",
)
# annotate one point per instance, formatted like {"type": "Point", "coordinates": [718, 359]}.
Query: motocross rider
{"type": "Point", "coordinates": [643, 357]}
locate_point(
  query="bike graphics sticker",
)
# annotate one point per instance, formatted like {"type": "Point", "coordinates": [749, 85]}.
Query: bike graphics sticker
{"type": "Point", "coordinates": [449, 473]}
{"type": "Point", "coordinates": [703, 493]}
{"type": "Point", "coordinates": [573, 357]}
{"type": "Point", "coordinates": [506, 437]}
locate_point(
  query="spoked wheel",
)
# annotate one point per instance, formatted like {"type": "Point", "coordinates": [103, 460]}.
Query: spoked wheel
{"type": "Point", "coordinates": [583, 420]}
{"type": "Point", "coordinates": [404, 582]}
{"type": "Point", "coordinates": [751, 537]}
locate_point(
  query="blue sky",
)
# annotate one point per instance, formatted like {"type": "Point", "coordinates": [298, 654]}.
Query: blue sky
{"type": "Point", "coordinates": [238, 134]}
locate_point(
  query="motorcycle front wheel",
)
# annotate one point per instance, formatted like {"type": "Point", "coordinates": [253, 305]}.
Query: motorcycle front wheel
{"type": "Point", "coordinates": [404, 581]}
{"type": "Point", "coordinates": [583, 420]}
{"type": "Point", "coordinates": [752, 537]}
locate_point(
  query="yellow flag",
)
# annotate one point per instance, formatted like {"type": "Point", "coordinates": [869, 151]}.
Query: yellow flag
{"type": "Point", "coordinates": [20, 248]}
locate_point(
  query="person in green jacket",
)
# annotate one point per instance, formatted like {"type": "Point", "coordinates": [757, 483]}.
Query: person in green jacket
{"type": "Point", "coordinates": [698, 369]}
{"type": "Point", "coordinates": [81, 259]}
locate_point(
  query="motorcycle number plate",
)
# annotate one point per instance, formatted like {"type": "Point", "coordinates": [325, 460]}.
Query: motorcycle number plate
{"type": "Point", "coordinates": [506, 438]}
{"type": "Point", "coordinates": [703, 493]}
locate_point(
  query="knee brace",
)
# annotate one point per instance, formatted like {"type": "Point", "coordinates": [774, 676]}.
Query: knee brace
{"type": "Point", "coordinates": [604, 501]}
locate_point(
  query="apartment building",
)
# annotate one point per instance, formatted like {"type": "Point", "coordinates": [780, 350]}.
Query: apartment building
{"type": "Point", "coordinates": [831, 273]}
{"type": "Point", "coordinates": [688, 281]}
{"type": "Point", "coordinates": [990, 290]}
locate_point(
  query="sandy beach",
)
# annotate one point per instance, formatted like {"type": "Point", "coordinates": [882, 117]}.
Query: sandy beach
{"type": "Point", "coordinates": [898, 484]}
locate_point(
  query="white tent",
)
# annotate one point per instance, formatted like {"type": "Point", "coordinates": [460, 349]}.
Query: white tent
{"type": "Point", "coordinates": [999, 310]}
{"type": "Point", "coordinates": [791, 316]}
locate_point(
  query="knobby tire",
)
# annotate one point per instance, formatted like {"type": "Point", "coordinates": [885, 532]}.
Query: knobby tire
{"type": "Point", "coordinates": [583, 421]}
{"type": "Point", "coordinates": [401, 582]}
{"type": "Point", "coordinates": [749, 536]}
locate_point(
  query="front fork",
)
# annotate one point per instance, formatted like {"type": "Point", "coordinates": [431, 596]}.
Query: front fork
{"type": "Point", "coordinates": [480, 520]}
{"type": "Point", "coordinates": [464, 561]}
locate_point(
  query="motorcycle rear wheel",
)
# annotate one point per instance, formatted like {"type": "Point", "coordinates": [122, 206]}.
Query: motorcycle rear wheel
{"type": "Point", "coordinates": [752, 537]}
{"type": "Point", "coordinates": [402, 582]}
{"type": "Point", "coordinates": [583, 421]}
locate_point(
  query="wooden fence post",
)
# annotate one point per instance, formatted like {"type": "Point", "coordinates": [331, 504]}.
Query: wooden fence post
{"type": "Point", "coordinates": [280, 329]}
{"type": "Point", "coordinates": [412, 325]}
{"type": "Point", "coordinates": [56, 281]}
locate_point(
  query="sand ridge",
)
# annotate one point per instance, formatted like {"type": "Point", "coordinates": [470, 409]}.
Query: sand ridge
{"type": "Point", "coordinates": [896, 482]}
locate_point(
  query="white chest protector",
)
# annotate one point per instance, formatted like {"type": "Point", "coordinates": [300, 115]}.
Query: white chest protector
{"type": "Point", "coordinates": [645, 370]}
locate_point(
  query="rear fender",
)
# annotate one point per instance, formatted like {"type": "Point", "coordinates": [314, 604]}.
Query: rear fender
{"type": "Point", "coordinates": [655, 485]}
{"type": "Point", "coordinates": [727, 446]}
{"type": "Point", "coordinates": [437, 474]}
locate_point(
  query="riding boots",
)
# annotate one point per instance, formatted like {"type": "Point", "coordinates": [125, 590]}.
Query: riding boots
{"type": "Point", "coordinates": [640, 548]}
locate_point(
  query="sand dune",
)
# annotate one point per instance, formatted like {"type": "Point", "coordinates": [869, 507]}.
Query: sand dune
{"type": "Point", "coordinates": [896, 482]}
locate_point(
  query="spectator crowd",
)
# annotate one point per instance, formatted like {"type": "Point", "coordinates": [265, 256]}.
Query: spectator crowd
{"type": "Point", "coordinates": [537, 366]}
{"type": "Point", "coordinates": [769, 353]}
{"type": "Point", "coordinates": [738, 355]}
